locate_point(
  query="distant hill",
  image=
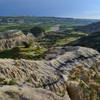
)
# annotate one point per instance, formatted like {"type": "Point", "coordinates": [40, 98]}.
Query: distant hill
{"type": "Point", "coordinates": [94, 27]}
{"type": "Point", "coordinates": [92, 40]}
{"type": "Point", "coordinates": [47, 20]}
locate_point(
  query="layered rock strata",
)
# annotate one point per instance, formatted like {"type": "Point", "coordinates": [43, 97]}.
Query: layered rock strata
{"type": "Point", "coordinates": [66, 69]}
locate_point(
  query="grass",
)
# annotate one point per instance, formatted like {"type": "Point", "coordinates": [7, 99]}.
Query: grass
{"type": "Point", "coordinates": [97, 80]}
{"type": "Point", "coordinates": [91, 41]}
{"type": "Point", "coordinates": [22, 26]}
{"type": "Point", "coordinates": [65, 41]}
{"type": "Point", "coordinates": [6, 81]}
{"type": "Point", "coordinates": [24, 53]}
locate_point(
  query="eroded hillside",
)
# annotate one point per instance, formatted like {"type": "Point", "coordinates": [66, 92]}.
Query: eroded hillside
{"type": "Point", "coordinates": [11, 39]}
{"type": "Point", "coordinates": [45, 68]}
{"type": "Point", "coordinates": [73, 73]}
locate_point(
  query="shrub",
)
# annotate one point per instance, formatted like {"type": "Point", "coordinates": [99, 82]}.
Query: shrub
{"type": "Point", "coordinates": [27, 44]}
{"type": "Point", "coordinates": [37, 31]}
{"type": "Point", "coordinates": [12, 82]}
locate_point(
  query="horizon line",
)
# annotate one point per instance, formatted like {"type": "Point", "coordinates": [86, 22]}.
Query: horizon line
{"type": "Point", "coordinates": [49, 16]}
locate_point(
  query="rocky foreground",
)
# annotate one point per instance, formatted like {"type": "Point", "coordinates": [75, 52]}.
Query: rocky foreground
{"type": "Point", "coordinates": [67, 73]}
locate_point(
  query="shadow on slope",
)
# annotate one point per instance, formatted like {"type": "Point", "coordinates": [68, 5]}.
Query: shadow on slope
{"type": "Point", "coordinates": [23, 53]}
{"type": "Point", "coordinates": [92, 41]}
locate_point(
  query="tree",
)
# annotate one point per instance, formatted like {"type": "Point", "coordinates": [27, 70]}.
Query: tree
{"type": "Point", "coordinates": [37, 31]}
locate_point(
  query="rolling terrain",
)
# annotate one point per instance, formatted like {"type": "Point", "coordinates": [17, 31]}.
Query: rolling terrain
{"type": "Point", "coordinates": [27, 22]}
{"type": "Point", "coordinates": [92, 41]}
{"type": "Point", "coordinates": [48, 20]}
{"type": "Point", "coordinates": [49, 58]}
{"type": "Point", "coordinates": [94, 27]}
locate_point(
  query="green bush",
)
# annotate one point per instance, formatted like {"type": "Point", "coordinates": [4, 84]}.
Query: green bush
{"type": "Point", "coordinates": [37, 31]}
{"type": "Point", "coordinates": [7, 81]}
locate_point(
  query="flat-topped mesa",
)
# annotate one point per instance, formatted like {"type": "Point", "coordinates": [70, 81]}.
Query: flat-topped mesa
{"type": "Point", "coordinates": [10, 39]}
{"type": "Point", "coordinates": [55, 72]}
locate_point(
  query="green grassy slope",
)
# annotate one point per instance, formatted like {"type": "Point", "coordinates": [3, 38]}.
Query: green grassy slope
{"type": "Point", "coordinates": [92, 41]}
{"type": "Point", "coordinates": [23, 53]}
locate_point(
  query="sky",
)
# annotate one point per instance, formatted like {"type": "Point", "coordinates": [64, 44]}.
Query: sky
{"type": "Point", "coordinates": [59, 8]}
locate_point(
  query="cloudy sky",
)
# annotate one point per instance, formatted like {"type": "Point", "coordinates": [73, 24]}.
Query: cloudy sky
{"type": "Point", "coordinates": [61, 8]}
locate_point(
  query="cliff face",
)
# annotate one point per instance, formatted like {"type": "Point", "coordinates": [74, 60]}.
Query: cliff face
{"type": "Point", "coordinates": [11, 39]}
{"type": "Point", "coordinates": [67, 72]}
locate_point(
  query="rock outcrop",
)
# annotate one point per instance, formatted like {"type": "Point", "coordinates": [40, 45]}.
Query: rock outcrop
{"type": "Point", "coordinates": [26, 93]}
{"type": "Point", "coordinates": [10, 39]}
{"type": "Point", "coordinates": [66, 69]}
